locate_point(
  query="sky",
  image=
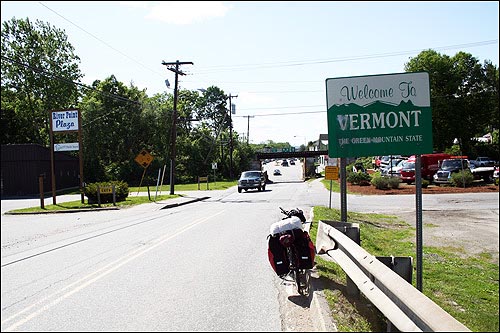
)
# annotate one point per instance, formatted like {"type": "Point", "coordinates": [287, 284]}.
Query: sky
{"type": "Point", "coordinates": [275, 56]}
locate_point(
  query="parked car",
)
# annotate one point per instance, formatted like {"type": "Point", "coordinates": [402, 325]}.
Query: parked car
{"type": "Point", "coordinates": [429, 165]}
{"type": "Point", "coordinates": [483, 161]}
{"type": "Point", "coordinates": [277, 172]}
{"type": "Point", "coordinates": [386, 159]}
{"type": "Point", "coordinates": [395, 171]}
{"type": "Point", "coordinates": [452, 165]}
{"type": "Point", "coordinates": [284, 163]}
{"type": "Point", "coordinates": [388, 169]}
{"type": "Point", "coordinates": [495, 172]}
{"type": "Point", "coordinates": [253, 179]}
{"type": "Point", "coordinates": [407, 172]}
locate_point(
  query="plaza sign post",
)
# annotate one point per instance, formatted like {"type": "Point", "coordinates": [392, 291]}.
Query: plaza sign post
{"type": "Point", "coordinates": [65, 121]}
{"type": "Point", "coordinates": [380, 115]}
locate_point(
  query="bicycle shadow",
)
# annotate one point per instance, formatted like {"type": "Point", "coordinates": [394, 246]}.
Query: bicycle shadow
{"type": "Point", "coordinates": [301, 300]}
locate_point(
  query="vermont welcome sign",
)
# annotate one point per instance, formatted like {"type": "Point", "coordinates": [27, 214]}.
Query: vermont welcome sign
{"type": "Point", "coordinates": [379, 115]}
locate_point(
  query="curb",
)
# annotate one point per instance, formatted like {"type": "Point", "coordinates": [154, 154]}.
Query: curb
{"type": "Point", "coordinates": [62, 211]}
{"type": "Point", "coordinates": [177, 204]}
{"type": "Point", "coordinates": [320, 309]}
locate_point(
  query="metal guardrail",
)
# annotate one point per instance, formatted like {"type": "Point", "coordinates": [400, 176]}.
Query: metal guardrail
{"type": "Point", "coordinates": [404, 306]}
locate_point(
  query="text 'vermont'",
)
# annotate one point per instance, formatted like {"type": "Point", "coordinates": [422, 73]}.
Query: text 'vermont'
{"type": "Point", "coordinates": [364, 121]}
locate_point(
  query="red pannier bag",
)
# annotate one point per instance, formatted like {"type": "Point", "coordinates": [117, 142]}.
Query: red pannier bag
{"type": "Point", "coordinates": [306, 251]}
{"type": "Point", "coordinates": [277, 256]}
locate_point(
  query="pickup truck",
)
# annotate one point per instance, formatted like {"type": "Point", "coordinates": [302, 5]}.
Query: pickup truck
{"type": "Point", "coordinates": [483, 161]}
{"type": "Point", "coordinates": [254, 179]}
{"type": "Point", "coordinates": [452, 165]}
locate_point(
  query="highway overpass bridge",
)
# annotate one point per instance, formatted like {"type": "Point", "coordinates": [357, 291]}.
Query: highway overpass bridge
{"type": "Point", "coordinates": [290, 154]}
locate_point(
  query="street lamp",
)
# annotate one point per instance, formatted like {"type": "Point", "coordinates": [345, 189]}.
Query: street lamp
{"type": "Point", "coordinates": [457, 142]}
{"type": "Point", "coordinates": [305, 141]}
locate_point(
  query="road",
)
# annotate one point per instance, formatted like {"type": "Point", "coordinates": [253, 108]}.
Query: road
{"type": "Point", "coordinates": [196, 267]}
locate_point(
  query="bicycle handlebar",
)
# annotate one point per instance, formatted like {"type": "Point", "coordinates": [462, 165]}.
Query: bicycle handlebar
{"type": "Point", "coordinates": [294, 212]}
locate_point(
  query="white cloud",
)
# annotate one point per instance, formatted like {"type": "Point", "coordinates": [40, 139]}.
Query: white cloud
{"type": "Point", "coordinates": [186, 12]}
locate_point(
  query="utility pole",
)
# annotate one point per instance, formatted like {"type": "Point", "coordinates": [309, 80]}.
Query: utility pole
{"type": "Point", "coordinates": [230, 138]}
{"type": "Point", "coordinates": [248, 126]}
{"type": "Point", "coordinates": [173, 136]}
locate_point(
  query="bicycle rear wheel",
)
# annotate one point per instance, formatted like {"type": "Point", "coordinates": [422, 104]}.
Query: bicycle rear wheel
{"type": "Point", "coordinates": [298, 278]}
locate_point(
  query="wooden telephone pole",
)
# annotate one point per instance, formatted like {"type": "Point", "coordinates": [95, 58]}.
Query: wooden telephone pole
{"type": "Point", "coordinates": [173, 136]}
{"type": "Point", "coordinates": [231, 137]}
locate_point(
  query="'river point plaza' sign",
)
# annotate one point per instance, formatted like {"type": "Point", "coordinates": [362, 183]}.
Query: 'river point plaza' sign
{"type": "Point", "coordinates": [65, 121]}
{"type": "Point", "coordinates": [379, 115]}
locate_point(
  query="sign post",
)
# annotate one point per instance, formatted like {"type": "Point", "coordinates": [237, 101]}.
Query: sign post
{"type": "Point", "coordinates": [144, 159]}
{"type": "Point", "coordinates": [64, 121]}
{"type": "Point", "coordinates": [214, 167]}
{"type": "Point", "coordinates": [331, 173]}
{"type": "Point", "coordinates": [381, 115]}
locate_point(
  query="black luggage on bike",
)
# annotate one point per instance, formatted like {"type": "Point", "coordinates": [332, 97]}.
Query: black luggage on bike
{"type": "Point", "coordinates": [277, 256]}
{"type": "Point", "coordinates": [305, 249]}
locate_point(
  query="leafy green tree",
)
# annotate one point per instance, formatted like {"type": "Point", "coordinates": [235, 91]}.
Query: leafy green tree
{"type": "Point", "coordinates": [38, 67]}
{"type": "Point", "coordinates": [213, 113]}
{"type": "Point", "coordinates": [212, 109]}
{"type": "Point", "coordinates": [464, 96]}
{"type": "Point", "coordinates": [113, 130]}
{"type": "Point", "coordinates": [156, 127]}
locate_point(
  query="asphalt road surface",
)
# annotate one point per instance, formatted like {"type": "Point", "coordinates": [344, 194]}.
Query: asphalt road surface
{"type": "Point", "coordinates": [197, 267]}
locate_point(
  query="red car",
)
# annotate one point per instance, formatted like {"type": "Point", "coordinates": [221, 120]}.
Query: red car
{"type": "Point", "coordinates": [429, 166]}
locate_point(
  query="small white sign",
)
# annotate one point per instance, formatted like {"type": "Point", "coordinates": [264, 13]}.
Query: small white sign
{"type": "Point", "coordinates": [65, 120]}
{"type": "Point", "coordinates": [66, 146]}
{"type": "Point", "coordinates": [214, 166]}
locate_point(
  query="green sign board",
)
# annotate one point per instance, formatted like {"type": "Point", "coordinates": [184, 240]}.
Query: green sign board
{"type": "Point", "coordinates": [379, 115]}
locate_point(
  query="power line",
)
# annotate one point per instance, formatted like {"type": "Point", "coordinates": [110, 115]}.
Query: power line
{"type": "Point", "coordinates": [284, 107]}
{"type": "Point", "coordinates": [100, 40]}
{"type": "Point", "coordinates": [283, 114]}
{"type": "Point", "coordinates": [243, 67]}
{"type": "Point", "coordinates": [81, 85]}
{"type": "Point", "coordinates": [350, 58]}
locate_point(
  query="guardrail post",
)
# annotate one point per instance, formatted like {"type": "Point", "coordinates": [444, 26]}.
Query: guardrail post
{"type": "Point", "coordinates": [351, 230]}
{"type": "Point", "coordinates": [403, 266]}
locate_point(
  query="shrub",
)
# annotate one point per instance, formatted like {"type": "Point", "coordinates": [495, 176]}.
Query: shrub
{"type": "Point", "coordinates": [393, 182]}
{"type": "Point", "coordinates": [425, 183]}
{"type": "Point", "coordinates": [358, 178]}
{"type": "Point", "coordinates": [462, 178]}
{"type": "Point", "coordinates": [121, 191]}
{"type": "Point", "coordinates": [380, 182]}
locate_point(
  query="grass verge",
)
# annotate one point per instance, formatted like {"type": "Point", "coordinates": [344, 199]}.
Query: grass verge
{"type": "Point", "coordinates": [130, 200]}
{"type": "Point", "coordinates": [466, 288]}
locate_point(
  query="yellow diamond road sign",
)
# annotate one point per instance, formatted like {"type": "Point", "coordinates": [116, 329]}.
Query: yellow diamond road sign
{"type": "Point", "coordinates": [144, 158]}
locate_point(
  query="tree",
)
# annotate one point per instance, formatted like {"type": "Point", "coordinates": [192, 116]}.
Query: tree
{"type": "Point", "coordinates": [464, 96]}
{"type": "Point", "coordinates": [214, 115]}
{"type": "Point", "coordinates": [211, 108]}
{"type": "Point", "coordinates": [39, 68]}
{"type": "Point", "coordinates": [113, 130]}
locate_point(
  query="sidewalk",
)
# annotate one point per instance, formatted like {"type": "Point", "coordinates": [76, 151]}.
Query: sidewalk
{"type": "Point", "coordinates": [185, 197]}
